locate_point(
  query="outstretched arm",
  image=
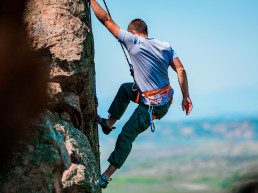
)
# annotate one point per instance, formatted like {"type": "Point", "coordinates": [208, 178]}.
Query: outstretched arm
{"type": "Point", "coordinates": [182, 79]}
{"type": "Point", "coordinates": [104, 18]}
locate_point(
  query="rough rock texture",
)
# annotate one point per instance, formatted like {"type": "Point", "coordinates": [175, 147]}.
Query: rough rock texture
{"type": "Point", "coordinates": [61, 151]}
{"type": "Point", "coordinates": [81, 173]}
{"type": "Point", "coordinates": [39, 161]}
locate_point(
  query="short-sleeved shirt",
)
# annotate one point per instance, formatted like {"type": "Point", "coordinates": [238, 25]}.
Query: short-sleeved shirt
{"type": "Point", "coordinates": [150, 59]}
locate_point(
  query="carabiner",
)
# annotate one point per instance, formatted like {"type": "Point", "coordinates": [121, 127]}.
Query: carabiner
{"type": "Point", "coordinates": [151, 120]}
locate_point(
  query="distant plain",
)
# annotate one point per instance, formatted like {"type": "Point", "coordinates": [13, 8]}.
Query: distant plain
{"type": "Point", "coordinates": [192, 157]}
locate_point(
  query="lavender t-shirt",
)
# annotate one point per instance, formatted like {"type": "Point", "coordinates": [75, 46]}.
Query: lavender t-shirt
{"type": "Point", "coordinates": [150, 59]}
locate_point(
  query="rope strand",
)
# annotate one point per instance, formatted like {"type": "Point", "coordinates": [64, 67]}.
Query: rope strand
{"type": "Point", "coordinates": [107, 8]}
{"type": "Point", "coordinates": [127, 59]}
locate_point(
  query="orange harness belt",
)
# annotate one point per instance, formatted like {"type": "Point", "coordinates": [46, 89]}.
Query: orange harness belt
{"type": "Point", "coordinates": [151, 93]}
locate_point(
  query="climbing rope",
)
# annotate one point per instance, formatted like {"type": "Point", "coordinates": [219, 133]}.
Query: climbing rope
{"type": "Point", "coordinates": [132, 73]}
{"type": "Point", "coordinates": [130, 65]}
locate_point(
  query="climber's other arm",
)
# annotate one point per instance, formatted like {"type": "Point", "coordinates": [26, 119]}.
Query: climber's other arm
{"type": "Point", "coordinates": [182, 79]}
{"type": "Point", "coordinates": [104, 18]}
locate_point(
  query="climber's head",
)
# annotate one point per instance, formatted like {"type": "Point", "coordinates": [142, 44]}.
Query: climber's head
{"type": "Point", "coordinates": [138, 27]}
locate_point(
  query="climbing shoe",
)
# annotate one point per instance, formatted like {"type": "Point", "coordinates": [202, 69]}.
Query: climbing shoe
{"type": "Point", "coordinates": [103, 181]}
{"type": "Point", "coordinates": [106, 129]}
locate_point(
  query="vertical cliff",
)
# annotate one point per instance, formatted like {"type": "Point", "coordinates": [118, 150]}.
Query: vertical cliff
{"type": "Point", "coordinates": [61, 151]}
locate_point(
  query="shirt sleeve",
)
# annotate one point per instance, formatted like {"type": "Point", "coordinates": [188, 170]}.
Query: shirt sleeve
{"type": "Point", "coordinates": [173, 55]}
{"type": "Point", "coordinates": [127, 39]}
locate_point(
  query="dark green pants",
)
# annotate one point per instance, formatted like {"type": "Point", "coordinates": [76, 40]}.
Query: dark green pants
{"type": "Point", "coordinates": [138, 122]}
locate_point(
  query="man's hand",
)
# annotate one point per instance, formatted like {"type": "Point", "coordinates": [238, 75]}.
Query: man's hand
{"type": "Point", "coordinates": [187, 105]}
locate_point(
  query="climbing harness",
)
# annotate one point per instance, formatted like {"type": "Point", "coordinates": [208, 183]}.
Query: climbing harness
{"type": "Point", "coordinates": [153, 98]}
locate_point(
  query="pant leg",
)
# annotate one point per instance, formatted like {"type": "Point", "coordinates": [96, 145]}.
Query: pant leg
{"type": "Point", "coordinates": [138, 122]}
{"type": "Point", "coordinates": [123, 97]}
{"type": "Point", "coordinates": [160, 111]}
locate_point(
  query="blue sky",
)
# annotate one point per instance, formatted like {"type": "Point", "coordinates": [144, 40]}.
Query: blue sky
{"type": "Point", "coordinates": [217, 42]}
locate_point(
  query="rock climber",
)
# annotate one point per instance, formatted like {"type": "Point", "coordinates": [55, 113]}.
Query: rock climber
{"type": "Point", "coordinates": [151, 88]}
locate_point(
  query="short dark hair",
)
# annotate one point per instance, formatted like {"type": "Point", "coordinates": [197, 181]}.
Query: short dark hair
{"type": "Point", "coordinates": [139, 26]}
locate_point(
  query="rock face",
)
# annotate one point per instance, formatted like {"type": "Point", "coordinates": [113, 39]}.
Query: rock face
{"type": "Point", "coordinates": [61, 151]}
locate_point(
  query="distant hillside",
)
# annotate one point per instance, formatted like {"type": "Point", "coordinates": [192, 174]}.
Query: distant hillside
{"type": "Point", "coordinates": [244, 129]}
{"type": "Point", "coordinates": [191, 157]}
{"type": "Point", "coordinates": [185, 131]}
